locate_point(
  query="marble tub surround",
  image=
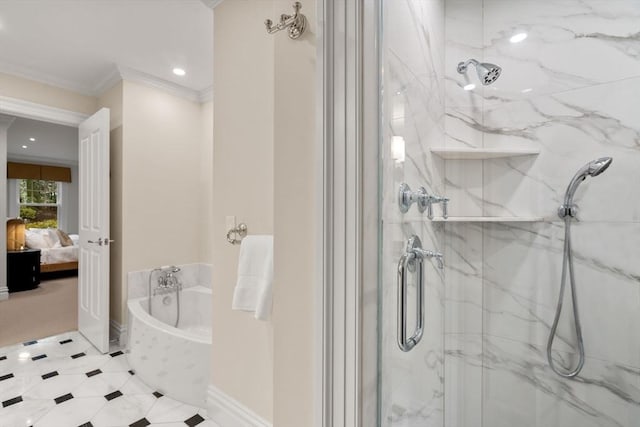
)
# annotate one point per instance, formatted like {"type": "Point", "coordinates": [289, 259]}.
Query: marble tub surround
{"type": "Point", "coordinates": [74, 385]}
{"type": "Point", "coordinates": [173, 360]}
{"type": "Point", "coordinates": [197, 274]}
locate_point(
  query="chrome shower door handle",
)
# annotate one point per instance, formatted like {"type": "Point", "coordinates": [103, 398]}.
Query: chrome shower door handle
{"type": "Point", "coordinates": [407, 260]}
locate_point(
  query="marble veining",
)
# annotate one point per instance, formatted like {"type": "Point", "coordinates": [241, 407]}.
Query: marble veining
{"type": "Point", "coordinates": [570, 89]}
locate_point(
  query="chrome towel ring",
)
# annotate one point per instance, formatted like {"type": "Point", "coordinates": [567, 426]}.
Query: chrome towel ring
{"type": "Point", "coordinates": [235, 235]}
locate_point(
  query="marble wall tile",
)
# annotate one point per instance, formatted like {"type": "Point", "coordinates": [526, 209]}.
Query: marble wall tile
{"type": "Point", "coordinates": [464, 127]}
{"type": "Point", "coordinates": [464, 40]}
{"type": "Point", "coordinates": [463, 380]}
{"type": "Point", "coordinates": [463, 278]}
{"type": "Point", "coordinates": [464, 187]}
{"type": "Point", "coordinates": [412, 382]}
{"type": "Point", "coordinates": [190, 275]}
{"type": "Point", "coordinates": [522, 271]}
{"type": "Point", "coordinates": [520, 389]}
{"type": "Point", "coordinates": [558, 93]}
{"type": "Point", "coordinates": [413, 56]}
{"type": "Point", "coordinates": [570, 44]}
{"type": "Point", "coordinates": [570, 129]}
{"type": "Point", "coordinates": [413, 99]}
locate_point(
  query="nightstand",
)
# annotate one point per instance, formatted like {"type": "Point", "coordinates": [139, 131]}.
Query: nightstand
{"type": "Point", "coordinates": [23, 270]}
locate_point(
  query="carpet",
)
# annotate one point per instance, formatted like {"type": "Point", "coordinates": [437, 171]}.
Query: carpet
{"type": "Point", "coordinates": [50, 309]}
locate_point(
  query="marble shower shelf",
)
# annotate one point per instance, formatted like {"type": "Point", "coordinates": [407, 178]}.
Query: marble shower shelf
{"type": "Point", "coordinates": [490, 219]}
{"type": "Point", "coordinates": [481, 153]}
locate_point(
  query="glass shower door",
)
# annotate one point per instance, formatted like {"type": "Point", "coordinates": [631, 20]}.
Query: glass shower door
{"type": "Point", "coordinates": [503, 150]}
{"type": "Point", "coordinates": [411, 358]}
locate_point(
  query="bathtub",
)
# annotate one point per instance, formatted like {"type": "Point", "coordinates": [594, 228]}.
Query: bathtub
{"type": "Point", "coordinates": [173, 361]}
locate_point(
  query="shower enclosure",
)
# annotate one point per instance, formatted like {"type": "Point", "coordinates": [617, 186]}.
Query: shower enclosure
{"type": "Point", "coordinates": [467, 345]}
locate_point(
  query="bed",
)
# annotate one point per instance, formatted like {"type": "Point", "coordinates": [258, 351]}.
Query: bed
{"type": "Point", "coordinates": [58, 251]}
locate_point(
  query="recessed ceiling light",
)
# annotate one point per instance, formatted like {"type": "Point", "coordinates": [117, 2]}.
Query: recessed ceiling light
{"type": "Point", "coordinates": [517, 38]}
{"type": "Point", "coordinates": [24, 146]}
{"type": "Point", "coordinates": [179, 72]}
{"type": "Point", "coordinates": [32, 139]}
{"type": "Point", "coordinates": [470, 86]}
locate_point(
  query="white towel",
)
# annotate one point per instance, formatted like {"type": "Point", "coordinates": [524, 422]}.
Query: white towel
{"type": "Point", "coordinates": [255, 276]}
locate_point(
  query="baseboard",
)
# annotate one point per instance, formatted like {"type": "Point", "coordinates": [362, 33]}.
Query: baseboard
{"type": "Point", "coordinates": [4, 293]}
{"type": "Point", "coordinates": [118, 333]}
{"type": "Point", "coordinates": [228, 412]}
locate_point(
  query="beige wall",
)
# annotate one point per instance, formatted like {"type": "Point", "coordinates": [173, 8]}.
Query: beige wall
{"type": "Point", "coordinates": [160, 180]}
{"type": "Point", "coordinates": [162, 198]}
{"type": "Point", "coordinates": [264, 173]}
{"type": "Point", "coordinates": [40, 93]}
{"type": "Point", "coordinates": [242, 357]}
{"type": "Point", "coordinates": [206, 181]}
{"type": "Point", "coordinates": [295, 224]}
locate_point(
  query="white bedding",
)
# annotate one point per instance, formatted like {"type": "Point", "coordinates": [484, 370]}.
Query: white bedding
{"type": "Point", "coordinates": [51, 250]}
{"type": "Point", "coordinates": [57, 255]}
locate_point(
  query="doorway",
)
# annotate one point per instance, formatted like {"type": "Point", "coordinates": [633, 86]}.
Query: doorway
{"type": "Point", "coordinates": [42, 241]}
{"type": "Point", "coordinates": [39, 245]}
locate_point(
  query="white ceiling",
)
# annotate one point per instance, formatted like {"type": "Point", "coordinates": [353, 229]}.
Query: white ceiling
{"type": "Point", "coordinates": [53, 142]}
{"type": "Point", "coordinates": [78, 44]}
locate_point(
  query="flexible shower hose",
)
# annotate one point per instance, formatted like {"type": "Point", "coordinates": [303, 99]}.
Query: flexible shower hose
{"type": "Point", "coordinates": [567, 263]}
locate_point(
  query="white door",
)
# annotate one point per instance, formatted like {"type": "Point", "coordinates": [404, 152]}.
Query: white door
{"type": "Point", "coordinates": [93, 266]}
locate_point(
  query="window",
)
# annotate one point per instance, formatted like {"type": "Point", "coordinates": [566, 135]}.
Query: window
{"type": "Point", "coordinates": [39, 202]}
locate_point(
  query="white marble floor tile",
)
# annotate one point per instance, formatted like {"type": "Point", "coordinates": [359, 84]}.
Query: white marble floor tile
{"type": "Point", "coordinates": [25, 413]}
{"type": "Point", "coordinates": [89, 389]}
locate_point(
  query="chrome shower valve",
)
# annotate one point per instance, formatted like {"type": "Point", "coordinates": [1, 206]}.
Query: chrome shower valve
{"type": "Point", "coordinates": [406, 198]}
{"type": "Point", "coordinates": [424, 200]}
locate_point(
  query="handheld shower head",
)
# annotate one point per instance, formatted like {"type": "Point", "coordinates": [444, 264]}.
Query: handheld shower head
{"type": "Point", "coordinates": [593, 168]}
{"type": "Point", "coordinates": [600, 165]}
{"type": "Point", "coordinates": [487, 72]}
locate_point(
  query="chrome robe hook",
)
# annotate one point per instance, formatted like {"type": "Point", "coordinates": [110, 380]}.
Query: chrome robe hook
{"type": "Point", "coordinates": [296, 23]}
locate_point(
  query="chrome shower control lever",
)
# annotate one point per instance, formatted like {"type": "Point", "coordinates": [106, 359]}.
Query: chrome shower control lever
{"type": "Point", "coordinates": [425, 253]}
{"type": "Point", "coordinates": [438, 199]}
{"type": "Point", "coordinates": [406, 198]}
{"type": "Point", "coordinates": [424, 200]}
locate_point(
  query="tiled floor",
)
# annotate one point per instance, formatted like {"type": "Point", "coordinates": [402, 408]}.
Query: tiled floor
{"type": "Point", "coordinates": [63, 381]}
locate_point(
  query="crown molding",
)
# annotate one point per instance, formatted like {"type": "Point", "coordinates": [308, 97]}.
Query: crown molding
{"type": "Point", "coordinates": [31, 110]}
{"type": "Point", "coordinates": [5, 121]}
{"type": "Point", "coordinates": [117, 74]}
{"type": "Point", "coordinates": [141, 77]}
{"type": "Point", "coordinates": [110, 80]}
{"type": "Point", "coordinates": [37, 76]}
{"type": "Point", "coordinates": [206, 95]}
{"type": "Point", "coordinates": [211, 3]}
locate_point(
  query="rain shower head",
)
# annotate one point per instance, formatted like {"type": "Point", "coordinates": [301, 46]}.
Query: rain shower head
{"type": "Point", "coordinates": [593, 168]}
{"type": "Point", "coordinates": [487, 73]}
